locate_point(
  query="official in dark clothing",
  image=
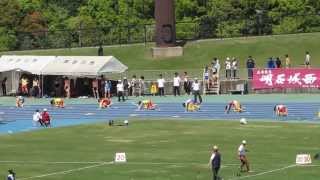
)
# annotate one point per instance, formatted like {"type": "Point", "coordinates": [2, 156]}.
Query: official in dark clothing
{"type": "Point", "coordinates": [215, 162]}
{"type": "Point", "coordinates": [250, 66]}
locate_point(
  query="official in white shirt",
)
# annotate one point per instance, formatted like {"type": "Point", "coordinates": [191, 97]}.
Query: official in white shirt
{"type": "Point", "coordinates": [161, 83]}
{"type": "Point", "coordinates": [196, 91]}
{"type": "Point", "coordinates": [242, 151]}
{"type": "Point", "coordinates": [176, 84]}
{"type": "Point", "coordinates": [120, 91]}
{"type": "Point", "coordinates": [36, 118]}
{"type": "Point", "coordinates": [307, 60]}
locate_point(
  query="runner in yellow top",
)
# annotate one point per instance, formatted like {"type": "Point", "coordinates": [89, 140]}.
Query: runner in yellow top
{"type": "Point", "coordinates": [57, 102]}
{"type": "Point", "coordinates": [235, 105]}
{"type": "Point", "coordinates": [191, 106]}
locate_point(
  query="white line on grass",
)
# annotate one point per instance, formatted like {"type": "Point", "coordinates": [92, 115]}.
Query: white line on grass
{"type": "Point", "coordinates": [266, 172]}
{"type": "Point", "coordinates": [57, 162]}
{"type": "Point", "coordinates": [100, 162]}
{"type": "Point", "coordinates": [67, 171]}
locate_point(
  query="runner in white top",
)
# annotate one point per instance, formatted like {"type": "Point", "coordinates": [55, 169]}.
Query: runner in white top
{"type": "Point", "coordinates": [242, 157]}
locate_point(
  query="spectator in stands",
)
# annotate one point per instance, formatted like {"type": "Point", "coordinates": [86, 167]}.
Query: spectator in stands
{"type": "Point", "coordinates": [206, 77]}
{"type": "Point", "coordinates": [307, 60]}
{"type": "Point", "coordinates": [278, 62]}
{"type": "Point", "coordinates": [227, 65]}
{"type": "Point", "coordinates": [217, 66]}
{"type": "Point", "coordinates": [95, 88]}
{"type": "Point", "coordinates": [186, 83]}
{"type": "Point", "coordinates": [141, 86]}
{"type": "Point", "coordinates": [24, 85]}
{"type": "Point", "coordinates": [66, 87]}
{"type": "Point", "coordinates": [120, 91]}
{"type": "Point", "coordinates": [153, 89]}
{"type": "Point", "coordinates": [161, 82]}
{"type": "Point", "coordinates": [4, 86]}
{"type": "Point", "coordinates": [45, 118]}
{"type": "Point", "coordinates": [234, 67]}
{"type": "Point", "coordinates": [196, 91]}
{"type": "Point", "coordinates": [35, 87]}
{"type": "Point", "coordinates": [271, 63]}
{"type": "Point", "coordinates": [126, 87]}
{"type": "Point", "coordinates": [107, 88]}
{"type": "Point", "coordinates": [288, 61]}
{"type": "Point", "coordinates": [250, 66]}
{"type": "Point", "coordinates": [133, 85]}
{"type": "Point", "coordinates": [100, 50]}
{"type": "Point", "coordinates": [176, 84]}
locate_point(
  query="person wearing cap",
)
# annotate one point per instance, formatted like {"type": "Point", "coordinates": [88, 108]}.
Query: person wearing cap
{"type": "Point", "coordinates": [281, 110]}
{"type": "Point", "coordinates": [11, 175]}
{"type": "Point", "coordinates": [242, 153]}
{"type": "Point", "coordinates": [235, 105]}
{"type": "Point", "coordinates": [215, 162]}
{"type": "Point", "coordinates": [196, 91]}
{"type": "Point", "coordinates": [120, 91]}
{"type": "Point", "coordinates": [45, 118]}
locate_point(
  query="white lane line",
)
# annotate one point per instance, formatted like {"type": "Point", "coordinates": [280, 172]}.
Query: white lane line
{"type": "Point", "coordinates": [263, 173]}
{"type": "Point", "coordinates": [67, 171]}
{"type": "Point", "coordinates": [48, 162]}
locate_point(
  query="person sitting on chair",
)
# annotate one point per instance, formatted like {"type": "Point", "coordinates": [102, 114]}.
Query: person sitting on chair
{"type": "Point", "coordinates": [235, 105]}
{"type": "Point", "coordinates": [19, 101]}
{"type": "Point", "coordinates": [147, 105]}
{"type": "Point", "coordinates": [191, 106]}
{"type": "Point", "coordinates": [57, 102]}
{"type": "Point", "coordinates": [281, 110]}
{"type": "Point", "coordinates": [104, 102]}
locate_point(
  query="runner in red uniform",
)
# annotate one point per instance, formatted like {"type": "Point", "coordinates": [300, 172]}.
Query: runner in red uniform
{"type": "Point", "coordinates": [281, 110]}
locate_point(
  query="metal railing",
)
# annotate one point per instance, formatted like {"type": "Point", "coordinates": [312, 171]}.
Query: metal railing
{"type": "Point", "coordinates": [205, 27]}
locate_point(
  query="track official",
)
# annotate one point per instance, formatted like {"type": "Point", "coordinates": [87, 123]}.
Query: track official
{"type": "Point", "coordinates": [215, 162]}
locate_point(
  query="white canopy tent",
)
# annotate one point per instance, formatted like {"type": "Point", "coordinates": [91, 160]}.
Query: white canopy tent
{"type": "Point", "coordinates": [83, 66]}
{"type": "Point", "coordinates": [76, 66]}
